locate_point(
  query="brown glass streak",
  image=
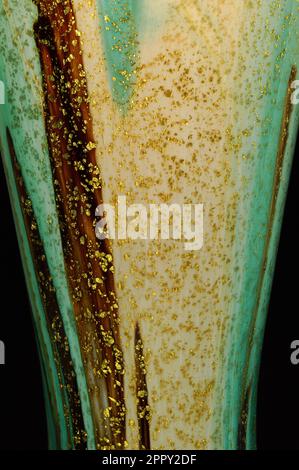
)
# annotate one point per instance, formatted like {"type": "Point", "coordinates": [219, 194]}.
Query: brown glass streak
{"type": "Point", "coordinates": [143, 410]}
{"type": "Point", "coordinates": [56, 331]}
{"type": "Point", "coordinates": [243, 421]}
{"type": "Point", "coordinates": [78, 192]}
{"type": "Point", "coordinates": [284, 134]}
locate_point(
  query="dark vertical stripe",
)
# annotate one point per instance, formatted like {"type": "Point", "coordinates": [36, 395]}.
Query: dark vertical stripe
{"type": "Point", "coordinates": [143, 410]}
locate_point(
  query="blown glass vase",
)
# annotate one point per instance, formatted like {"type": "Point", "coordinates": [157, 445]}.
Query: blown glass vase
{"type": "Point", "coordinates": [145, 344]}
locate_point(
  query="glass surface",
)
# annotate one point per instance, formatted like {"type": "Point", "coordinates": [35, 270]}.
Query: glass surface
{"type": "Point", "coordinates": [144, 343]}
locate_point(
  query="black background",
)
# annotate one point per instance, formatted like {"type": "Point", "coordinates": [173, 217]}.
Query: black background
{"type": "Point", "coordinates": [22, 415]}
